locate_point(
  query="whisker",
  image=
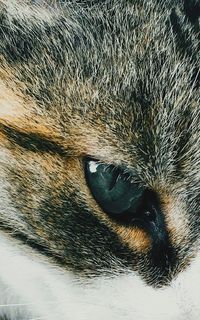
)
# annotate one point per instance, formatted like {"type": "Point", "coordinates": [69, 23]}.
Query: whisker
{"type": "Point", "coordinates": [22, 304]}
{"type": "Point", "coordinates": [15, 305]}
{"type": "Point", "coordinates": [40, 318]}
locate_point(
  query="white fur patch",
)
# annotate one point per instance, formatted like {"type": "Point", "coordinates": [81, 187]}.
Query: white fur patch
{"type": "Point", "coordinates": [33, 288]}
{"type": "Point", "coordinates": [23, 10]}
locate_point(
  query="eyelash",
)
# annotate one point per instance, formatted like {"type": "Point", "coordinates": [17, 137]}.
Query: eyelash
{"type": "Point", "coordinates": [123, 173]}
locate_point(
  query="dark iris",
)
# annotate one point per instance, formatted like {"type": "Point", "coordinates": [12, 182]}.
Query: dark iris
{"type": "Point", "coordinates": [112, 189]}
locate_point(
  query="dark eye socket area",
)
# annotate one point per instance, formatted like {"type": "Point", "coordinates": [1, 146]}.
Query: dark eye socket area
{"type": "Point", "coordinates": [125, 201]}
{"type": "Point", "coordinates": [128, 203]}
{"type": "Point", "coordinates": [114, 190]}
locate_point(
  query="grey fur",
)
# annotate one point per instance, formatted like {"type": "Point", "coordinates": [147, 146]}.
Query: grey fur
{"type": "Point", "coordinates": [132, 66]}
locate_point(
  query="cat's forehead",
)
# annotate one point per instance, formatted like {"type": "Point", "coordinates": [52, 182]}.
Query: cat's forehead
{"type": "Point", "coordinates": [90, 59]}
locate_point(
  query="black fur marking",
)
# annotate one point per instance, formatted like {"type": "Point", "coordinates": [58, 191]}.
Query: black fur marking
{"type": "Point", "coordinates": [32, 141]}
{"type": "Point", "coordinates": [192, 10]}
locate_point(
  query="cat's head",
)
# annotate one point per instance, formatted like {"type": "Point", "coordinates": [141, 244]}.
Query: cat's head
{"type": "Point", "coordinates": [99, 127]}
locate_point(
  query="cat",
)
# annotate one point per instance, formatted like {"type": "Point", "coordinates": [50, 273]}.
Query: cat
{"type": "Point", "coordinates": [99, 159]}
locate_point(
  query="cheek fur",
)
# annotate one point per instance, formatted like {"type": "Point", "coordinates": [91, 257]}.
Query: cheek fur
{"type": "Point", "coordinates": [34, 287]}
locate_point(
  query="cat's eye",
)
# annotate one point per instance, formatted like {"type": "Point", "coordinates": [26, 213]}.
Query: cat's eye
{"type": "Point", "coordinates": [113, 189]}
